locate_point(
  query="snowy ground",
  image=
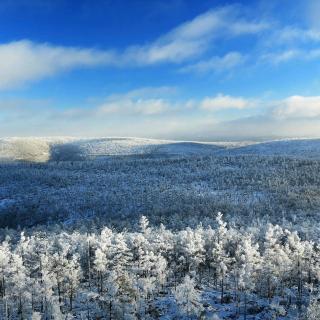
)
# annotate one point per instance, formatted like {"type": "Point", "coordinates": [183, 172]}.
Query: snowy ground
{"type": "Point", "coordinates": [256, 309]}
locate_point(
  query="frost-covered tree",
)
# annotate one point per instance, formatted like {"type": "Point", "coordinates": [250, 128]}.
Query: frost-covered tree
{"type": "Point", "coordinates": [112, 289]}
{"type": "Point", "coordinates": [221, 259]}
{"type": "Point", "coordinates": [144, 225]}
{"type": "Point", "coordinates": [36, 316]}
{"type": "Point", "coordinates": [187, 297]}
{"type": "Point", "coordinates": [73, 276]}
{"type": "Point", "coordinates": [19, 285]}
{"type": "Point", "coordinates": [136, 274]}
{"type": "Point", "coordinates": [5, 275]}
{"type": "Point", "coordinates": [276, 261]}
{"type": "Point", "coordinates": [248, 262]}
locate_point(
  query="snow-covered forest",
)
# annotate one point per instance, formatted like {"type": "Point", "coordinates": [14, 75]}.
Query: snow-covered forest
{"type": "Point", "coordinates": [159, 160]}
{"type": "Point", "coordinates": [178, 191]}
{"type": "Point", "coordinates": [204, 272]}
{"type": "Point", "coordinates": [134, 231]}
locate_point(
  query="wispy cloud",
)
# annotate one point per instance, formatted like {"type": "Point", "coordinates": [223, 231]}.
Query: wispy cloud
{"type": "Point", "coordinates": [223, 102]}
{"type": "Point", "coordinates": [146, 92]}
{"type": "Point", "coordinates": [289, 55]}
{"type": "Point", "coordinates": [193, 38]}
{"type": "Point", "coordinates": [139, 102]}
{"type": "Point", "coordinates": [143, 102]}
{"type": "Point", "coordinates": [147, 101]}
{"type": "Point", "coordinates": [24, 61]}
{"type": "Point", "coordinates": [133, 107]}
{"type": "Point", "coordinates": [281, 56]}
{"type": "Point", "coordinates": [216, 64]}
{"type": "Point", "coordinates": [294, 35]}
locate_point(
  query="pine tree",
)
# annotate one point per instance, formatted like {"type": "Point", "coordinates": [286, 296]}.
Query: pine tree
{"type": "Point", "coordinates": [73, 276]}
{"type": "Point", "coordinates": [248, 264]}
{"type": "Point", "coordinates": [5, 275]}
{"type": "Point", "coordinates": [220, 257]}
{"type": "Point", "coordinates": [112, 289]}
{"type": "Point", "coordinates": [187, 297]}
{"type": "Point", "coordinates": [19, 289]}
{"type": "Point", "coordinates": [144, 225]}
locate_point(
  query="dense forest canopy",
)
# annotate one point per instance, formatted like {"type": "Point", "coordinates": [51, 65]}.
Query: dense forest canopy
{"type": "Point", "coordinates": [141, 236]}
{"type": "Point", "coordinates": [178, 191]}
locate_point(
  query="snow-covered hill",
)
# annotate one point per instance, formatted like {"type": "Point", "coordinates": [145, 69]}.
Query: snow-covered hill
{"type": "Point", "coordinates": [63, 149]}
{"type": "Point", "coordinates": [305, 148]}
{"type": "Point", "coordinates": [29, 149]}
{"type": "Point", "coordinates": [70, 149]}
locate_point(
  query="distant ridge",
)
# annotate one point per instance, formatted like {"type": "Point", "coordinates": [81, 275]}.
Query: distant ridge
{"type": "Point", "coordinates": [79, 149]}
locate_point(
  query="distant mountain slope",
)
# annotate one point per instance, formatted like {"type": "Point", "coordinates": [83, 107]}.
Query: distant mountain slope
{"type": "Point", "coordinates": [305, 148]}
{"type": "Point", "coordinates": [73, 149]}
{"type": "Point", "coordinates": [102, 147]}
{"type": "Point", "coordinates": [188, 148]}
{"type": "Point", "coordinates": [28, 149]}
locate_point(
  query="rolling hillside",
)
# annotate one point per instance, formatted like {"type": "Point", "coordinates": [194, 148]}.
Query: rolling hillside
{"type": "Point", "coordinates": [73, 149]}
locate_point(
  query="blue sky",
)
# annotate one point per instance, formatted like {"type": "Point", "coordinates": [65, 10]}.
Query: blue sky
{"type": "Point", "coordinates": [178, 69]}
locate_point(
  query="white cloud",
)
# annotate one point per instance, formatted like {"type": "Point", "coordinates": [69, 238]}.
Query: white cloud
{"type": "Point", "coordinates": [152, 102]}
{"type": "Point", "coordinates": [150, 107]}
{"type": "Point", "coordinates": [192, 38]}
{"type": "Point", "coordinates": [297, 107]}
{"type": "Point", "coordinates": [187, 40]}
{"type": "Point", "coordinates": [291, 54]}
{"type": "Point", "coordinates": [223, 102]}
{"type": "Point", "coordinates": [282, 56]}
{"type": "Point", "coordinates": [142, 101]}
{"type": "Point", "coordinates": [133, 107]}
{"type": "Point", "coordinates": [131, 104]}
{"type": "Point", "coordinates": [217, 64]}
{"type": "Point", "coordinates": [241, 27]}
{"type": "Point", "coordinates": [135, 114]}
{"type": "Point", "coordinates": [290, 34]}
{"type": "Point", "coordinates": [150, 92]}
{"type": "Point", "coordinates": [24, 61]}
